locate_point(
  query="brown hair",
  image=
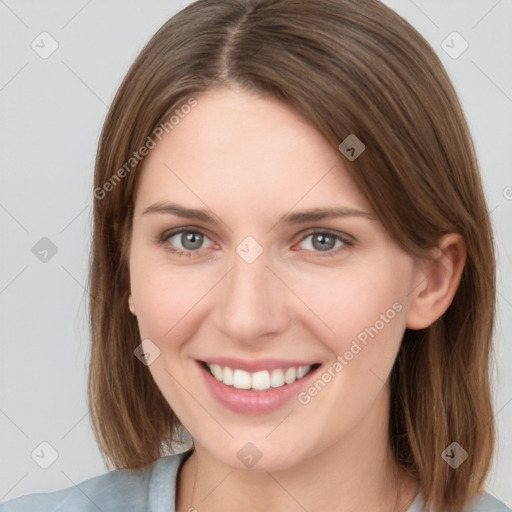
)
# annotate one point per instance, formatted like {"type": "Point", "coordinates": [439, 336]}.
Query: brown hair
{"type": "Point", "coordinates": [349, 68]}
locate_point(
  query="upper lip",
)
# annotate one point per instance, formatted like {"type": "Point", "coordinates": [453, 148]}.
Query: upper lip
{"type": "Point", "coordinates": [255, 365]}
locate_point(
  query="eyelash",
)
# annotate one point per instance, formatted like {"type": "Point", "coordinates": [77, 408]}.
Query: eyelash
{"type": "Point", "coordinates": [347, 242]}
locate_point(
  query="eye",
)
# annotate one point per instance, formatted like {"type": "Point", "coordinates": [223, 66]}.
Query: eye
{"type": "Point", "coordinates": [326, 242]}
{"type": "Point", "coordinates": [184, 241]}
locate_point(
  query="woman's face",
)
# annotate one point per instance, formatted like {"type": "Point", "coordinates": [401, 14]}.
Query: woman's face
{"type": "Point", "coordinates": [249, 281]}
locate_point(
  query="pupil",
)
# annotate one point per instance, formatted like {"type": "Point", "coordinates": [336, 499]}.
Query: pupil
{"type": "Point", "coordinates": [321, 240]}
{"type": "Point", "coordinates": [191, 240]}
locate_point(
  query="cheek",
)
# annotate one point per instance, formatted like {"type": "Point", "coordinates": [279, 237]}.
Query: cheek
{"type": "Point", "coordinates": [153, 304]}
{"type": "Point", "coordinates": [167, 298]}
{"type": "Point", "coordinates": [357, 307]}
{"type": "Point", "coordinates": [365, 310]}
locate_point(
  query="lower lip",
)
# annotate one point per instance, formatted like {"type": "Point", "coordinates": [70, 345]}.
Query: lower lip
{"type": "Point", "coordinates": [254, 402]}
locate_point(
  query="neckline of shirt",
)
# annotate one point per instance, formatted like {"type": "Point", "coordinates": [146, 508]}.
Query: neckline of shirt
{"type": "Point", "coordinates": [162, 496]}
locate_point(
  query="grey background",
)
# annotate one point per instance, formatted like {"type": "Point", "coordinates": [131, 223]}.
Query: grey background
{"type": "Point", "coordinates": [52, 111]}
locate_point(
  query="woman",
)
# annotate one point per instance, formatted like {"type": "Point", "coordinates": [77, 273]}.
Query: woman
{"type": "Point", "coordinates": [293, 263]}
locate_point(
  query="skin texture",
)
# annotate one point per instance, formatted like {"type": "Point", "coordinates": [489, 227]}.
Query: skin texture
{"type": "Point", "coordinates": [248, 160]}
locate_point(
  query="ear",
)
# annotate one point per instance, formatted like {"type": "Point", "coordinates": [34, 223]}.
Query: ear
{"type": "Point", "coordinates": [131, 304]}
{"type": "Point", "coordinates": [438, 281]}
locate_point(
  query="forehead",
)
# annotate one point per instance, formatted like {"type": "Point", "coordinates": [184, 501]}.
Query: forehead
{"type": "Point", "coordinates": [246, 151]}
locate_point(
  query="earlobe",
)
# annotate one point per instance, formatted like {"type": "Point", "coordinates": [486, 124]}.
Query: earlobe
{"type": "Point", "coordinates": [438, 282]}
{"type": "Point", "coordinates": [131, 305]}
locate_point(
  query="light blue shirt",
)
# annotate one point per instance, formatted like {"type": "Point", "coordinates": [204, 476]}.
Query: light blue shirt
{"type": "Point", "coordinates": [151, 489]}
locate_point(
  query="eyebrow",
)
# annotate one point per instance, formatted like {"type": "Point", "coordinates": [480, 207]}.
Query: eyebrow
{"type": "Point", "coordinates": [304, 216]}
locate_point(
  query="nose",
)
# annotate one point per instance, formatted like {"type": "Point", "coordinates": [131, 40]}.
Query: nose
{"type": "Point", "coordinates": [251, 304]}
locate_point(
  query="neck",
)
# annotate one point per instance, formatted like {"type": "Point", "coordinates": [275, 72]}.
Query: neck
{"type": "Point", "coordinates": [357, 472]}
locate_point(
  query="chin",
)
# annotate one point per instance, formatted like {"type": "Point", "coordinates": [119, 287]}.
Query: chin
{"type": "Point", "coordinates": [258, 457]}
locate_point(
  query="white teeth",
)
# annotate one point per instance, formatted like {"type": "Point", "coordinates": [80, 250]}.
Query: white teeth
{"type": "Point", "coordinates": [257, 381]}
{"type": "Point", "coordinates": [290, 375]}
{"type": "Point", "coordinates": [217, 371]}
{"type": "Point", "coordinates": [241, 379]}
{"type": "Point", "coordinates": [302, 371]}
{"type": "Point", "coordinates": [277, 378]}
{"type": "Point", "coordinates": [228, 376]}
{"type": "Point", "coordinates": [260, 380]}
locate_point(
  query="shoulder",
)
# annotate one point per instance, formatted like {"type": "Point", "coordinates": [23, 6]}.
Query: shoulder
{"type": "Point", "coordinates": [122, 490]}
{"type": "Point", "coordinates": [483, 503]}
{"type": "Point", "coordinates": [488, 503]}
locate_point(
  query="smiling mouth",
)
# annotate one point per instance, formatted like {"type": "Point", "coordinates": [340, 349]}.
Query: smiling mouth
{"type": "Point", "coordinates": [263, 380]}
